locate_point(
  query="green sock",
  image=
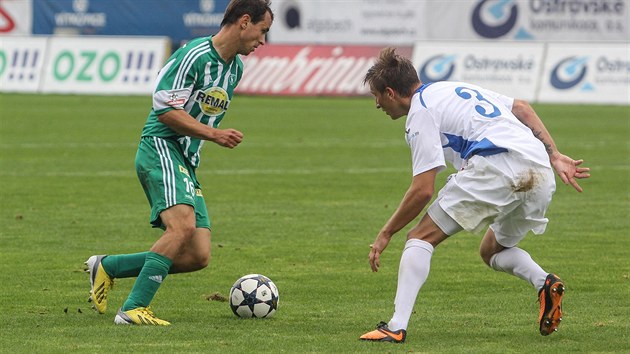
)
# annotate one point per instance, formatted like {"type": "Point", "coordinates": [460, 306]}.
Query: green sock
{"type": "Point", "coordinates": [153, 272]}
{"type": "Point", "coordinates": [124, 265]}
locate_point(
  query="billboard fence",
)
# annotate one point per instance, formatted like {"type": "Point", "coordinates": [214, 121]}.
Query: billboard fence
{"type": "Point", "coordinates": [579, 72]}
{"type": "Point", "coordinates": [81, 65]}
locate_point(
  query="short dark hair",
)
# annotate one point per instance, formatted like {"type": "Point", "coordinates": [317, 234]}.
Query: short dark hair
{"type": "Point", "coordinates": [394, 71]}
{"type": "Point", "coordinates": [256, 9]}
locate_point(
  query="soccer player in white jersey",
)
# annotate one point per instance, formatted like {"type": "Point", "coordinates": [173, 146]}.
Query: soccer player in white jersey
{"type": "Point", "coordinates": [193, 92]}
{"type": "Point", "coordinates": [504, 156]}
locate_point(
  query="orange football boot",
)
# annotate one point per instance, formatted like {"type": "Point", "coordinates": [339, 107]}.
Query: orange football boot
{"type": "Point", "coordinates": [550, 298]}
{"type": "Point", "coordinates": [383, 334]}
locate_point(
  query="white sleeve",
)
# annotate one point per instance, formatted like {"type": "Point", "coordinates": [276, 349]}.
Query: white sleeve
{"type": "Point", "coordinates": [165, 97]}
{"type": "Point", "coordinates": [505, 100]}
{"type": "Point", "coordinates": [423, 138]}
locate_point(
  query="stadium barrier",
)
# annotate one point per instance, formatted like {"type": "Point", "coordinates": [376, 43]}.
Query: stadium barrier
{"type": "Point", "coordinates": [81, 65]}
{"type": "Point", "coordinates": [580, 72]}
{"type": "Point", "coordinates": [349, 22]}
{"type": "Point", "coordinates": [540, 72]}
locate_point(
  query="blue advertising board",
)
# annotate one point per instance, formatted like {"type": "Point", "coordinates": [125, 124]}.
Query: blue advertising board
{"type": "Point", "coordinates": [181, 20]}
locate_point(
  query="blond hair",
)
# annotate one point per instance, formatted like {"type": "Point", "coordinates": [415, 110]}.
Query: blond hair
{"type": "Point", "coordinates": [393, 71]}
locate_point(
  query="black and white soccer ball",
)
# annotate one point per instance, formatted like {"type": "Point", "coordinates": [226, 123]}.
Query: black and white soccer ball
{"type": "Point", "coordinates": [254, 295]}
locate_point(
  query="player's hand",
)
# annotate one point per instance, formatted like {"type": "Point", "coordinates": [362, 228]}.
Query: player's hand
{"type": "Point", "coordinates": [376, 249]}
{"type": "Point", "coordinates": [568, 169]}
{"type": "Point", "coordinates": [228, 138]}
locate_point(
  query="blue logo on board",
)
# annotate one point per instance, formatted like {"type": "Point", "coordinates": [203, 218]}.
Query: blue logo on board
{"type": "Point", "coordinates": [494, 19]}
{"type": "Point", "coordinates": [437, 68]}
{"type": "Point", "coordinates": [569, 72]}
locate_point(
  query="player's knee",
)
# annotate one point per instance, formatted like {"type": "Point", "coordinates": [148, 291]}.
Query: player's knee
{"type": "Point", "coordinates": [198, 259]}
{"type": "Point", "coordinates": [486, 256]}
{"type": "Point", "coordinates": [191, 263]}
{"type": "Point", "coordinates": [489, 247]}
{"type": "Point", "coordinates": [185, 232]}
{"type": "Point", "coordinates": [202, 261]}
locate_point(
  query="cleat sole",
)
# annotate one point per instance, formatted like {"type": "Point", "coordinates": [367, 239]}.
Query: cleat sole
{"type": "Point", "coordinates": [550, 298]}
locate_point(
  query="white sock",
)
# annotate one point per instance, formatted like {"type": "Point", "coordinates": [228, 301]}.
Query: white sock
{"type": "Point", "coordinates": [517, 262]}
{"type": "Point", "coordinates": [415, 263]}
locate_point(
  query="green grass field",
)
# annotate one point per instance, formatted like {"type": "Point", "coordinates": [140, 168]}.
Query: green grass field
{"type": "Point", "coordinates": [300, 201]}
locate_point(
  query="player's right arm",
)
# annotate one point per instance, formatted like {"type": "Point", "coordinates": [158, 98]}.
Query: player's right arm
{"type": "Point", "coordinates": [423, 137]}
{"type": "Point", "coordinates": [416, 198]}
{"type": "Point", "coordinates": [567, 168]}
{"type": "Point", "coordinates": [184, 124]}
{"type": "Point", "coordinates": [175, 85]}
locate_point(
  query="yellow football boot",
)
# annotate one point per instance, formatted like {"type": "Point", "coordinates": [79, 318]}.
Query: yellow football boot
{"type": "Point", "coordinates": [100, 283]}
{"type": "Point", "coordinates": [139, 316]}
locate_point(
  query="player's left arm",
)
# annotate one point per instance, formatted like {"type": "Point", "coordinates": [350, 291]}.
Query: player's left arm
{"type": "Point", "coordinates": [567, 168]}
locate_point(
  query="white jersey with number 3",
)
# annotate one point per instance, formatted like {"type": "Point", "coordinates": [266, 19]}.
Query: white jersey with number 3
{"type": "Point", "coordinates": [453, 121]}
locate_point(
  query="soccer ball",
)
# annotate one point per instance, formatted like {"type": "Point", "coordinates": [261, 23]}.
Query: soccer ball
{"type": "Point", "coordinates": [254, 295]}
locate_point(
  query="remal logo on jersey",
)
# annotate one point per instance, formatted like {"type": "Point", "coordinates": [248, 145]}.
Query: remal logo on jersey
{"type": "Point", "coordinates": [213, 101]}
{"type": "Point", "coordinates": [568, 72]}
{"type": "Point", "coordinates": [494, 18]}
{"type": "Point", "coordinates": [437, 68]}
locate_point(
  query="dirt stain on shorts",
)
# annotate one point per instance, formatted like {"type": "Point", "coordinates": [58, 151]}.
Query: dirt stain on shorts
{"type": "Point", "coordinates": [526, 181]}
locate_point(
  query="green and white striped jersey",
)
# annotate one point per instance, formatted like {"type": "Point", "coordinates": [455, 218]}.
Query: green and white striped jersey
{"type": "Point", "coordinates": [196, 79]}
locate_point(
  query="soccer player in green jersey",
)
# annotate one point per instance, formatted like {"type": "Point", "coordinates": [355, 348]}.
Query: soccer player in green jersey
{"type": "Point", "coordinates": [193, 92]}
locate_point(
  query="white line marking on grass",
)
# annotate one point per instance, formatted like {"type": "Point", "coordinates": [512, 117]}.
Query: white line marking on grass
{"type": "Point", "coordinates": [235, 172]}
{"type": "Point", "coordinates": [66, 145]}
{"type": "Point", "coordinates": [245, 144]}
{"type": "Point", "coordinates": [251, 171]}
{"type": "Point", "coordinates": [304, 171]}
{"type": "Point", "coordinates": [604, 168]}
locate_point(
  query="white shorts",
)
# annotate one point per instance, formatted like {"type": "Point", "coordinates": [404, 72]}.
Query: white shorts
{"type": "Point", "coordinates": [508, 194]}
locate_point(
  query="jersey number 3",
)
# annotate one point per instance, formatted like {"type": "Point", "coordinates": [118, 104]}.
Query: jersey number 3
{"type": "Point", "coordinates": [463, 93]}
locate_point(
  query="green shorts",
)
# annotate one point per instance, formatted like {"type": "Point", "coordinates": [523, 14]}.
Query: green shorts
{"type": "Point", "coordinates": [168, 179]}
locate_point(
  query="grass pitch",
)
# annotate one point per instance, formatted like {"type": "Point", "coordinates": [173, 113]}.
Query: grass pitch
{"type": "Point", "coordinates": [300, 201]}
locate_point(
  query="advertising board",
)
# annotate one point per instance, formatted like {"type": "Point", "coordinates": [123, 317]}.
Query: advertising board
{"type": "Point", "coordinates": [21, 63]}
{"type": "Point", "coordinates": [107, 65]}
{"type": "Point", "coordinates": [15, 17]}
{"type": "Point", "coordinates": [530, 20]}
{"type": "Point", "coordinates": [579, 72]}
{"type": "Point", "coordinates": [81, 65]}
{"type": "Point", "coordinates": [179, 20]}
{"type": "Point", "coordinates": [509, 68]}
{"type": "Point", "coordinates": [362, 22]}
{"type": "Point", "coordinates": [309, 70]}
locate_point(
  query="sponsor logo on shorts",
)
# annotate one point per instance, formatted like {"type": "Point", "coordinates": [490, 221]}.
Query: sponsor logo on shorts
{"type": "Point", "coordinates": [198, 192]}
{"type": "Point", "coordinates": [183, 170]}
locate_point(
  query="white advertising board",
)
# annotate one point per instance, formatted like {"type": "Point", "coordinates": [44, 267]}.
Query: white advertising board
{"type": "Point", "coordinates": [16, 17]}
{"type": "Point", "coordinates": [586, 72]}
{"type": "Point", "coordinates": [104, 65]}
{"type": "Point", "coordinates": [512, 69]}
{"type": "Point", "coordinates": [21, 63]}
{"type": "Point", "coordinates": [403, 22]}
{"type": "Point", "coordinates": [530, 20]}
{"type": "Point", "coordinates": [348, 21]}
